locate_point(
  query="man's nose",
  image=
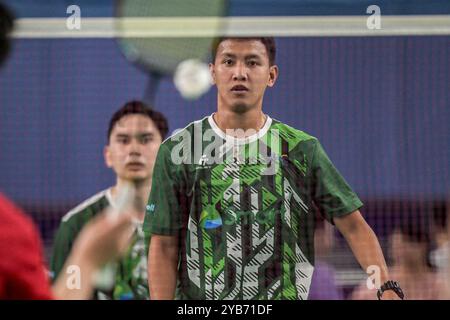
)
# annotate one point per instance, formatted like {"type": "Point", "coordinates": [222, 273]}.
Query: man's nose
{"type": "Point", "coordinates": [135, 148]}
{"type": "Point", "coordinates": [240, 72]}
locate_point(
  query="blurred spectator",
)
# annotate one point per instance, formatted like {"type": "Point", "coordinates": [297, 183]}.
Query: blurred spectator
{"type": "Point", "coordinates": [439, 257]}
{"type": "Point", "coordinates": [323, 283]}
{"type": "Point", "coordinates": [410, 245]}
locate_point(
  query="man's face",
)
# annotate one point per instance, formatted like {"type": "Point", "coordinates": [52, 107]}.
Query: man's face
{"type": "Point", "coordinates": [241, 72]}
{"type": "Point", "coordinates": [132, 149]}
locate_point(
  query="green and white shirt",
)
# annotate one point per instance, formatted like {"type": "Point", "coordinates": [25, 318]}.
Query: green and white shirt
{"type": "Point", "coordinates": [131, 270]}
{"type": "Point", "coordinates": [244, 209]}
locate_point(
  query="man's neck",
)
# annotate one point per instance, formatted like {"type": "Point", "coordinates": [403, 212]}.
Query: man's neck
{"type": "Point", "coordinates": [142, 192]}
{"type": "Point", "coordinates": [227, 120]}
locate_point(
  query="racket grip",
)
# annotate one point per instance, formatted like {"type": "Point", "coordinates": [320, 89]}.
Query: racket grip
{"type": "Point", "coordinates": [105, 278]}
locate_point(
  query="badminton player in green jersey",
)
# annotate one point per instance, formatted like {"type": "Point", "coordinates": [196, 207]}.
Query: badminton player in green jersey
{"type": "Point", "coordinates": [134, 136]}
{"type": "Point", "coordinates": [231, 211]}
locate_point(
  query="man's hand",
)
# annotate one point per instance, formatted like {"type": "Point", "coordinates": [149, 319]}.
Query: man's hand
{"type": "Point", "coordinates": [102, 240]}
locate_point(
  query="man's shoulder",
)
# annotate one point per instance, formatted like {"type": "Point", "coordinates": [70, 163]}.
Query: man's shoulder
{"type": "Point", "coordinates": [87, 208]}
{"type": "Point", "coordinates": [292, 134]}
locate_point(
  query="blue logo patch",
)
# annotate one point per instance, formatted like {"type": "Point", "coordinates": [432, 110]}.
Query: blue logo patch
{"type": "Point", "coordinates": [212, 224]}
{"type": "Point", "coordinates": [150, 208]}
{"type": "Point", "coordinates": [210, 219]}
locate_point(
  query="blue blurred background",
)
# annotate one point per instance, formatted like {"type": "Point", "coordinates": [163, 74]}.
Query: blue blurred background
{"type": "Point", "coordinates": [380, 105]}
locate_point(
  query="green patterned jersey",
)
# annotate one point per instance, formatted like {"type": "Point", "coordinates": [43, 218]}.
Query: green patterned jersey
{"type": "Point", "coordinates": [244, 209]}
{"type": "Point", "coordinates": [130, 271]}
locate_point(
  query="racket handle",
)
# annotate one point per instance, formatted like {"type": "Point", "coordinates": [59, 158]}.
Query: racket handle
{"type": "Point", "coordinates": [124, 201]}
{"type": "Point", "coordinates": [105, 278]}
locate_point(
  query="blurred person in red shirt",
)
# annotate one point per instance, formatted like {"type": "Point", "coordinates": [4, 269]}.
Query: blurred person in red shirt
{"type": "Point", "coordinates": [23, 272]}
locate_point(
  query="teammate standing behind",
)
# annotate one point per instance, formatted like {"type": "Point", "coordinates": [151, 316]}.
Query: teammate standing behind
{"type": "Point", "coordinates": [235, 221]}
{"type": "Point", "coordinates": [134, 136]}
{"type": "Point", "coordinates": [23, 272]}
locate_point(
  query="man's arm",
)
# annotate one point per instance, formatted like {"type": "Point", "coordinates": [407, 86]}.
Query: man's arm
{"type": "Point", "coordinates": [162, 267]}
{"type": "Point", "coordinates": [365, 246]}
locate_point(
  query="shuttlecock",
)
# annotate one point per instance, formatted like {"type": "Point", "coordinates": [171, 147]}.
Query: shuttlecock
{"type": "Point", "coordinates": [192, 78]}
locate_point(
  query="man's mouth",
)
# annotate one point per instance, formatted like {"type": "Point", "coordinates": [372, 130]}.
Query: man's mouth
{"type": "Point", "coordinates": [239, 88]}
{"type": "Point", "coordinates": [135, 165]}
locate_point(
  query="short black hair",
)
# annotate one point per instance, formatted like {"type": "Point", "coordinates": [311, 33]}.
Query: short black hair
{"type": "Point", "coordinates": [6, 26]}
{"type": "Point", "coordinates": [139, 107]}
{"type": "Point", "coordinates": [268, 42]}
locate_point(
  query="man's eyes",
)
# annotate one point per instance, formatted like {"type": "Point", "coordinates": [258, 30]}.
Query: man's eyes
{"type": "Point", "coordinates": [145, 139]}
{"type": "Point", "coordinates": [251, 63]}
{"type": "Point", "coordinates": [122, 140]}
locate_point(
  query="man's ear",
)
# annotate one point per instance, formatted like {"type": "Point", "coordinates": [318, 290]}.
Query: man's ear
{"type": "Point", "coordinates": [107, 156]}
{"type": "Point", "coordinates": [213, 74]}
{"type": "Point", "coordinates": [273, 75]}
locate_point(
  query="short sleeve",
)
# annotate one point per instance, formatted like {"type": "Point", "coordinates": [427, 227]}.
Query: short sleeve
{"type": "Point", "coordinates": [163, 214]}
{"type": "Point", "coordinates": [330, 192]}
